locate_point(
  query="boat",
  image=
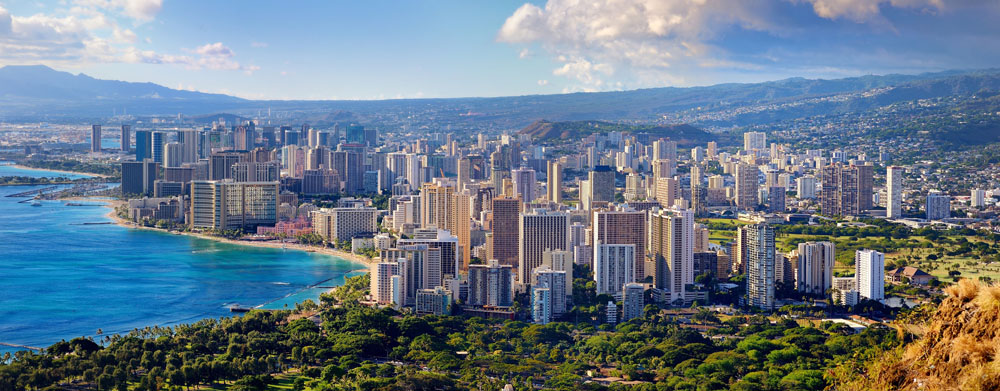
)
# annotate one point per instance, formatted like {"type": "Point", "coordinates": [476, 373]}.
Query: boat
{"type": "Point", "coordinates": [35, 203]}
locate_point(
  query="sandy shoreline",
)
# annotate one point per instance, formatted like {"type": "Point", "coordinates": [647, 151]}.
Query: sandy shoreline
{"type": "Point", "coordinates": [59, 171]}
{"type": "Point", "coordinates": [112, 204]}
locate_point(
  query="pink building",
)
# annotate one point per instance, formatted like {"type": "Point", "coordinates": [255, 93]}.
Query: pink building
{"type": "Point", "coordinates": [299, 226]}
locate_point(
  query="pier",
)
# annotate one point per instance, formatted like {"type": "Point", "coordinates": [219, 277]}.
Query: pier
{"type": "Point", "coordinates": [31, 193]}
{"type": "Point", "coordinates": [11, 345]}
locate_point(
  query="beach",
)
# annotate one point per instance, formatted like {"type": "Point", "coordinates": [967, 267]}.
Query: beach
{"type": "Point", "coordinates": [112, 204]}
{"type": "Point", "coordinates": [58, 171]}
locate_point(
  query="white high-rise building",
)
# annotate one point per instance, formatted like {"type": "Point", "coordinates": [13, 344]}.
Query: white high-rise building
{"type": "Point", "coordinates": [938, 206]}
{"type": "Point", "coordinates": [539, 231]}
{"type": "Point", "coordinates": [815, 271]}
{"type": "Point", "coordinates": [805, 187]}
{"type": "Point", "coordinates": [632, 301]}
{"type": "Point", "coordinates": [614, 266]}
{"type": "Point", "coordinates": [869, 272]}
{"type": "Point", "coordinates": [977, 198]}
{"type": "Point", "coordinates": [671, 243]}
{"type": "Point", "coordinates": [541, 305]}
{"type": "Point", "coordinates": [555, 282]}
{"type": "Point", "coordinates": [760, 265]}
{"type": "Point", "coordinates": [894, 192]}
{"type": "Point", "coordinates": [754, 141]}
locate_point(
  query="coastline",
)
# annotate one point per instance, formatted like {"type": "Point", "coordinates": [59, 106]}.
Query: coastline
{"type": "Point", "coordinates": [112, 204]}
{"type": "Point", "coordinates": [92, 175]}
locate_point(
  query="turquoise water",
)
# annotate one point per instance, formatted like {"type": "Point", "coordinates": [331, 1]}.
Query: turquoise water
{"type": "Point", "coordinates": [7, 169]}
{"type": "Point", "coordinates": [61, 279]}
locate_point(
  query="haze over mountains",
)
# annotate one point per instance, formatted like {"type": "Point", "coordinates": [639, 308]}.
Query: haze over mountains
{"type": "Point", "coordinates": [33, 93]}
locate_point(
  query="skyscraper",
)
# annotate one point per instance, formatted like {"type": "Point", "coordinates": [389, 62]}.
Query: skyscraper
{"type": "Point", "coordinates": [846, 190]}
{"type": "Point", "coordinates": [614, 266]}
{"type": "Point", "coordinates": [671, 244]}
{"type": "Point", "coordinates": [776, 199]}
{"type": "Point", "coordinates": [343, 224]}
{"type": "Point", "coordinates": [139, 177]}
{"type": "Point", "coordinates": [95, 138]}
{"type": "Point", "coordinates": [632, 301]}
{"type": "Point", "coordinates": [815, 271]}
{"type": "Point", "coordinates": [220, 164]}
{"type": "Point", "coordinates": [554, 181]}
{"type": "Point", "coordinates": [159, 141]}
{"type": "Point", "coordinates": [143, 145]}
{"type": "Point", "coordinates": [894, 192]}
{"type": "Point", "coordinates": [524, 183]}
{"type": "Point", "coordinates": [668, 190]}
{"type": "Point", "coordinates": [624, 226]}
{"type": "Point", "coordinates": [602, 184]}
{"type": "Point", "coordinates": [126, 139]}
{"type": "Point", "coordinates": [760, 265]}
{"type": "Point", "coordinates": [504, 246]}
{"type": "Point", "coordinates": [869, 274]}
{"type": "Point", "coordinates": [754, 141]}
{"type": "Point", "coordinates": [233, 205]}
{"type": "Point", "coordinates": [555, 282]}
{"type": "Point", "coordinates": [805, 187]}
{"type": "Point", "coordinates": [747, 179]}
{"type": "Point", "coordinates": [491, 285]}
{"type": "Point", "coordinates": [938, 206]}
{"type": "Point", "coordinates": [538, 231]}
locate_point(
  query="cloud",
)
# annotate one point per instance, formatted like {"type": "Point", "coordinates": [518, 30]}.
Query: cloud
{"type": "Point", "coordinates": [867, 10]}
{"type": "Point", "coordinates": [214, 50]}
{"type": "Point", "coordinates": [608, 44]}
{"type": "Point", "coordinates": [543, 82]}
{"type": "Point", "coordinates": [258, 44]}
{"type": "Point", "coordinates": [139, 10]}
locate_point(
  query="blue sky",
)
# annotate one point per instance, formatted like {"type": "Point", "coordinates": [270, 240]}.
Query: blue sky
{"type": "Point", "coordinates": [382, 49]}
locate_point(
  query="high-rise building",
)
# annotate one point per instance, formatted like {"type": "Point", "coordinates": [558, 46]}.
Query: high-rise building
{"type": "Point", "coordinates": [95, 138]}
{"type": "Point", "coordinates": [776, 199]}
{"type": "Point", "coordinates": [436, 301]}
{"type": "Point", "coordinates": [632, 301]}
{"type": "Point", "coordinates": [668, 190]}
{"type": "Point", "coordinates": [624, 226]}
{"type": "Point", "coordinates": [139, 178]}
{"type": "Point", "coordinates": [805, 187]}
{"type": "Point", "coordinates": [560, 260]}
{"type": "Point", "coordinates": [699, 193]}
{"type": "Point", "coordinates": [491, 285]}
{"type": "Point", "coordinates": [754, 141]}
{"type": "Point", "coordinates": [760, 265]}
{"type": "Point", "coordinates": [538, 231]}
{"type": "Point", "coordinates": [220, 164]}
{"type": "Point", "coordinates": [421, 268]}
{"type": "Point", "coordinates": [381, 281]}
{"type": "Point", "coordinates": [554, 181]}
{"type": "Point", "coordinates": [938, 206]}
{"type": "Point", "coordinates": [172, 155]}
{"type": "Point", "coordinates": [555, 282]}
{"type": "Point", "coordinates": [460, 224]}
{"type": "Point", "coordinates": [602, 184]}
{"type": "Point", "coordinates": [323, 181]}
{"type": "Point", "coordinates": [442, 240]}
{"type": "Point", "coordinates": [524, 183]}
{"type": "Point", "coordinates": [157, 148]}
{"type": "Point", "coordinates": [541, 305]}
{"type": "Point", "coordinates": [126, 138]}
{"type": "Point", "coordinates": [815, 268]}
{"type": "Point", "coordinates": [977, 198]}
{"type": "Point", "coordinates": [233, 205]}
{"type": "Point", "coordinates": [706, 262]}
{"type": "Point", "coordinates": [747, 179]}
{"type": "Point", "coordinates": [436, 204]}
{"type": "Point", "coordinates": [143, 145]}
{"type": "Point", "coordinates": [894, 192]}
{"type": "Point", "coordinates": [343, 224]}
{"type": "Point", "coordinates": [671, 244]}
{"type": "Point", "coordinates": [869, 273]}
{"type": "Point", "coordinates": [351, 167]}
{"type": "Point", "coordinates": [505, 228]}
{"type": "Point", "coordinates": [665, 149]}
{"type": "Point", "coordinates": [846, 190]}
{"type": "Point", "coordinates": [614, 266]}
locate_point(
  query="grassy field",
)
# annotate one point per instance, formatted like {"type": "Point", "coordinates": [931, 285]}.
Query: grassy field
{"type": "Point", "coordinates": [917, 251]}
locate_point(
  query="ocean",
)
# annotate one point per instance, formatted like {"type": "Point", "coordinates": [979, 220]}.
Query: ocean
{"type": "Point", "coordinates": [63, 278]}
